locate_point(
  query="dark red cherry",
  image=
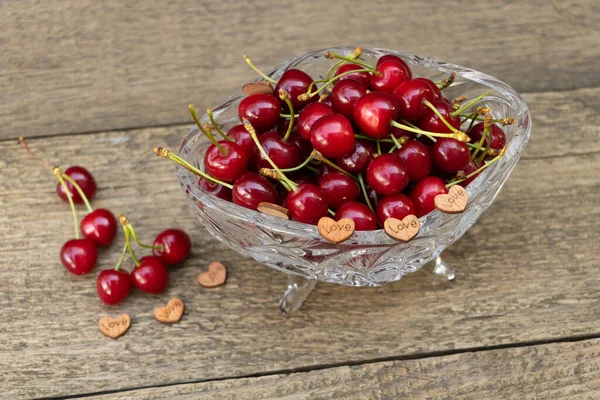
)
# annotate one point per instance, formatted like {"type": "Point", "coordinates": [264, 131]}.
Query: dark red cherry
{"type": "Point", "coordinates": [450, 155]}
{"type": "Point", "coordinates": [392, 74]}
{"type": "Point", "coordinates": [262, 110]}
{"type": "Point", "coordinates": [410, 95]}
{"type": "Point", "coordinates": [391, 57]}
{"type": "Point", "coordinates": [327, 101]}
{"type": "Point", "coordinates": [432, 123]}
{"type": "Point", "coordinates": [498, 136]}
{"type": "Point", "coordinates": [113, 286]}
{"type": "Point", "coordinates": [471, 167]}
{"type": "Point", "coordinates": [437, 94]}
{"type": "Point", "coordinates": [215, 189]}
{"type": "Point", "coordinates": [332, 135]}
{"type": "Point", "coordinates": [251, 189]}
{"type": "Point", "coordinates": [417, 158]}
{"type": "Point", "coordinates": [394, 206]}
{"type": "Point", "coordinates": [304, 178]}
{"type": "Point", "coordinates": [283, 154]}
{"type": "Point", "coordinates": [309, 115]}
{"type": "Point", "coordinates": [303, 145]}
{"type": "Point", "coordinates": [84, 179]}
{"type": "Point", "coordinates": [175, 246]}
{"type": "Point", "coordinates": [283, 126]}
{"type": "Point", "coordinates": [339, 188]}
{"type": "Point", "coordinates": [295, 83]}
{"type": "Point", "coordinates": [240, 135]}
{"type": "Point", "coordinates": [363, 77]}
{"type": "Point", "coordinates": [323, 169]}
{"type": "Point", "coordinates": [373, 113]}
{"type": "Point", "coordinates": [151, 276]}
{"type": "Point", "coordinates": [307, 204]}
{"type": "Point", "coordinates": [344, 96]}
{"type": "Point", "coordinates": [100, 226]}
{"type": "Point", "coordinates": [227, 166]}
{"type": "Point", "coordinates": [358, 159]}
{"type": "Point", "coordinates": [79, 255]}
{"type": "Point", "coordinates": [364, 219]}
{"type": "Point", "coordinates": [387, 174]}
{"type": "Point", "coordinates": [424, 192]}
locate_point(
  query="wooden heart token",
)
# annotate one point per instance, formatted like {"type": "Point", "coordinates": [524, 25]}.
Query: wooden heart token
{"type": "Point", "coordinates": [402, 229]}
{"type": "Point", "coordinates": [454, 202]}
{"type": "Point", "coordinates": [215, 276]}
{"type": "Point", "coordinates": [273, 209]}
{"type": "Point", "coordinates": [251, 88]}
{"type": "Point", "coordinates": [336, 231]}
{"type": "Point", "coordinates": [170, 313]}
{"type": "Point", "coordinates": [114, 327]}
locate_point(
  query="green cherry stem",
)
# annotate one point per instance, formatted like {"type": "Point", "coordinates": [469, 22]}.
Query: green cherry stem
{"type": "Point", "coordinates": [206, 133]}
{"type": "Point", "coordinates": [364, 191]}
{"type": "Point", "coordinates": [371, 139]}
{"type": "Point", "coordinates": [356, 53]}
{"type": "Point", "coordinates": [487, 125]}
{"type": "Point", "coordinates": [316, 155]}
{"type": "Point", "coordinates": [124, 222]}
{"type": "Point", "coordinates": [122, 258]}
{"type": "Point", "coordinates": [288, 116]}
{"type": "Point", "coordinates": [460, 136]}
{"type": "Point", "coordinates": [59, 174]}
{"type": "Point", "coordinates": [446, 82]}
{"type": "Point", "coordinates": [134, 235]}
{"type": "Point", "coordinates": [299, 167]}
{"type": "Point", "coordinates": [214, 124]}
{"type": "Point", "coordinates": [469, 104]}
{"type": "Point", "coordinates": [479, 170]}
{"type": "Point", "coordinates": [79, 190]}
{"type": "Point", "coordinates": [439, 115]}
{"type": "Point", "coordinates": [331, 55]}
{"type": "Point", "coordinates": [259, 72]}
{"type": "Point", "coordinates": [283, 95]}
{"type": "Point", "coordinates": [308, 95]}
{"type": "Point", "coordinates": [378, 147]}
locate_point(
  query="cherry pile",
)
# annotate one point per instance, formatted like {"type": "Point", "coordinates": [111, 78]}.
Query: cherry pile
{"type": "Point", "coordinates": [366, 143]}
{"type": "Point", "coordinates": [76, 185]}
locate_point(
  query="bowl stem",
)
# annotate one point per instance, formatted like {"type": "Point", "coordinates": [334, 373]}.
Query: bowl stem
{"type": "Point", "coordinates": [297, 291]}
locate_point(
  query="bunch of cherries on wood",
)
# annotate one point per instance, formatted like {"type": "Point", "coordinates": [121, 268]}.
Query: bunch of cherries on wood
{"type": "Point", "coordinates": [366, 143]}
{"type": "Point", "coordinates": [99, 228]}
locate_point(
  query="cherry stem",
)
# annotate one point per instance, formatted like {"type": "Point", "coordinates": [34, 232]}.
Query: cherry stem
{"type": "Point", "coordinates": [372, 140]}
{"type": "Point", "coordinates": [79, 190]}
{"type": "Point", "coordinates": [486, 130]}
{"type": "Point", "coordinates": [120, 262]}
{"type": "Point", "coordinates": [25, 146]}
{"type": "Point", "coordinates": [356, 53]}
{"type": "Point", "coordinates": [288, 116]}
{"type": "Point", "coordinates": [439, 115]}
{"type": "Point", "coordinates": [469, 104]}
{"type": "Point", "coordinates": [331, 212]}
{"type": "Point", "coordinates": [206, 133]}
{"type": "Point", "coordinates": [504, 121]}
{"type": "Point", "coordinates": [477, 171]}
{"type": "Point", "coordinates": [214, 124]}
{"type": "Point", "coordinates": [58, 174]}
{"type": "Point", "coordinates": [299, 167]}
{"type": "Point", "coordinates": [283, 95]}
{"type": "Point", "coordinates": [259, 72]}
{"type": "Point", "coordinates": [309, 94]}
{"type": "Point", "coordinates": [460, 136]}
{"type": "Point", "coordinates": [331, 55]}
{"type": "Point", "coordinates": [447, 81]}
{"type": "Point", "coordinates": [320, 157]}
{"type": "Point", "coordinates": [135, 238]}
{"type": "Point", "coordinates": [396, 145]}
{"type": "Point", "coordinates": [378, 147]}
{"type": "Point", "coordinates": [364, 192]}
{"type": "Point", "coordinates": [124, 221]}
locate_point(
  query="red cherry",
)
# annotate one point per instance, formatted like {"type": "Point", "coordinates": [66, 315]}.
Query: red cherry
{"type": "Point", "coordinates": [410, 95]}
{"type": "Point", "coordinates": [363, 77]}
{"type": "Point", "coordinates": [79, 255]}
{"type": "Point", "coordinates": [471, 167]}
{"type": "Point", "coordinates": [432, 123]}
{"type": "Point", "coordinates": [307, 204]}
{"type": "Point", "coordinates": [387, 174]}
{"type": "Point", "coordinates": [84, 179]}
{"type": "Point", "coordinates": [364, 219]}
{"type": "Point", "coordinates": [394, 206]}
{"type": "Point", "coordinates": [437, 94]}
{"type": "Point", "coordinates": [262, 110]}
{"type": "Point", "coordinates": [283, 126]}
{"type": "Point", "coordinates": [309, 115]}
{"type": "Point", "coordinates": [215, 189]}
{"type": "Point", "coordinates": [424, 192]}
{"type": "Point", "coordinates": [344, 96]}
{"type": "Point", "coordinates": [450, 155]}
{"type": "Point", "coordinates": [373, 113]}
{"type": "Point", "coordinates": [228, 166]}
{"type": "Point", "coordinates": [323, 169]}
{"type": "Point", "coordinates": [251, 189]}
{"type": "Point", "coordinates": [392, 74]}
{"type": "Point", "coordinates": [332, 135]}
{"type": "Point", "coordinates": [417, 158]}
{"type": "Point", "coordinates": [327, 101]}
{"type": "Point", "coordinates": [303, 145]}
{"type": "Point", "coordinates": [151, 276]}
{"type": "Point", "coordinates": [338, 188]}
{"type": "Point", "coordinates": [391, 57]}
{"type": "Point", "coordinates": [358, 159]}
{"type": "Point", "coordinates": [176, 246]}
{"type": "Point", "coordinates": [100, 226]}
{"type": "Point", "coordinates": [283, 154]}
{"type": "Point", "coordinates": [113, 286]}
{"type": "Point", "coordinates": [295, 83]}
{"type": "Point", "coordinates": [498, 136]}
{"type": "Point", "coordinates": [242, 137]}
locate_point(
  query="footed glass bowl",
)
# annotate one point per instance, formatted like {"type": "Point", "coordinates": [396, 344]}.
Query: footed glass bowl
{"type": "Point", "coordinates": [367, 258]}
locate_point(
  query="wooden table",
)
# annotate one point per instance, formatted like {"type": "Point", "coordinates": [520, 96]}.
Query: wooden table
{"type": "Point", "coordinates": [100, 83]}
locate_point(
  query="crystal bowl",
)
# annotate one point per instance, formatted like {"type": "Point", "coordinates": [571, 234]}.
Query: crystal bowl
{"type": "Point", "coordinates": [367, 258]}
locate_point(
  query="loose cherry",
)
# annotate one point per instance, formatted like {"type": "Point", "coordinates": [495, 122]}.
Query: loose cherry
{"type": "Point", "coordinates": [392, 74]}
{"type": "Point", "coordinates": [358, 159]}
{"type": "Point", "coordinates": [338, 188]}
{"type": "Point", "coordinates": [410, 95]}
{"type": "Point", "coordinates": [387, 174]}
{"type": "Point", "coordinates": [364, 219]}
{"type": "Point", "coordinates": [113, 286]}
{"type": "Point", "coordinates": [430, 122]}
{"type": "Point", "coordinates": [227, 162]}
{"type": "Point", "coordinates": [240, 135]}
{"type": "Point", "coordinates": [151, 276]}
{"type": "Point", "coordinates": [417, 158]}
{"type": "Point", "coordinates": [373, 113]}
{"type": "Point", "coordinates": [262, 110]}
{"type": "Point", "coordinates": [84, 179]}
{"type": "Point", "coordinates": [309, 115]}
{"type": "Point", "coordinates": [424, 192]}
{"type": "Point", "coordinates": [284, 154]}
{"type": "Point", "coordinates": [394, 206]}
{"type": "Point", "coordinates": [450, 155]}
{"type": "Point", "coordinates": [215, 189]}
{"type": "Point", "coordinates": [363, 77]}
{"type": "Point", "coordinates": [175, 246]}
{"type": "Point", "coordinates": [498, 136]}
{"type": "Point", "coordinates": [332, 135]}
{"type": "Point", "coordinates": [307, 203]}
{"type": "Point", "coordinates": [100, 226]}
{"type": "Point", "coordinates": [251, 189]}
{"type": "Point", "coordinates": [79, 256]}
{"type": "Point", "coordinates": [294, 82]}
{"type": "Point", "coordinates": [344, 96]}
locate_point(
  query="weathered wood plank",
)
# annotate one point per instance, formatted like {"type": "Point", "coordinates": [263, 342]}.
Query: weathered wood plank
{"type": "Point", "coordinates": [70, 66]}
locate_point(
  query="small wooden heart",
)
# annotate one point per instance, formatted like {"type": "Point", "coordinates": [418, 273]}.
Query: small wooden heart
{"type": "Point", "coordinates": [215, 276]}
{"type": "Point", "coordinates": [251, 88]}
{"type": "Point", "coordinates": [171, 313]}
{"type": "Point", "coordinates": [273, 209]}
{"type": "Point", "coordinates": [402, 229]}
{"type": "Point", "coordinates": [454, 202]}
{"type": "Point", "coordinates": [336, 231]}
{"type": "Point", "coordinates": [114, 327]}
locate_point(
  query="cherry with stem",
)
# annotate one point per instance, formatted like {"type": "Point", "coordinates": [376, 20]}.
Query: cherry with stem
{"type": "Point", "coordinates": [283, 95]}
{"type": "Point", "coordinates": [479, 170]}
{"type": "Point", "coordinates": [216, 126]}
{"type": "Point", "coordinates": [364, 191]}
{"type": "Point", "coordinates": [487, 126]}
{"type": "Point", "coordinates": [469, 104]}
{"type": "Point", "coordinates": [259, 72]}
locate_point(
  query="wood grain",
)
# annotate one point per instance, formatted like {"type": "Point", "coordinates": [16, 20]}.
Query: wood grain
{"type": "Point", "coordinates": [71, 66]}
{"type": "Point", "coordinates": [527, 271]}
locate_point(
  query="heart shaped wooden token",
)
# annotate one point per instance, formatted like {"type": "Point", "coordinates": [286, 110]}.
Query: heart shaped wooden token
{"type": "Point", "coordinates": [251, 88]}
{"type": "Point", "coordinates": [402, 229]}
{"type": "Point", "coordinates": [336, 231]}
{"type": "Point", "coordinates": [273, 209]}
{"type": "Point", "coordinates": [114, 327]}
{"type": "Point", "coordinates": [171, 313]}
{"type": "Point", "coordinates": [454, 202]}
{"type": "Point", "coordinates": [215, 276]}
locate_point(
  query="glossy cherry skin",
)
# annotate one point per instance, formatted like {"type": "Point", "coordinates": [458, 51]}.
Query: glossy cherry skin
{"type": "Point", "coordinates": [339, 188]}
{"type": "Point", "coordinates": [151, 276]}
{"type": "Point", "coordinates": [113, 286]}
{"type": "Point", "coordinates": [395, 206]}
{"type": "Point", "coordinates": [283, 154]}
{"type": "Point", "coordinates": [450, 155]}
{"type": "Point", "coordinates": [215, 189]}
{"type": "Point", "coordinates": [251, 189]}
{"type": "Point", "coordinates": [295, 83]}
{"type": "Point", "coordinates": [387, 174]}
{"type": "Point", "coordinates": [432, 123]}
{"type": "Point", "coordinates": [303, 145]}
{"type": "Point", "coordinates": [309, 115]}
{"type": "Point", "coordinates": [176, 246]}
{"type": "Point", "coordinates": [392, 74]}
{"type": "Point", "coordinates": [424, 192]}
{"type": "Point", "coordinates": [226, 166]}
{"type": "Point", "coordinates": [242, 137]}
{"type": "Point", "coordinates": [410, 95]}
{"type": "Point", "coordinates": [84, 179]}
{"type": "Point", "coordinates": [358, 159]}
{"type": "Point", "coordinates": [100, 226]}
{"type": "Point", "coordinates": [332, 135]}
{"type": "Point", "coordinates": [344, 96]}
{"type": "Point", "coordinates": [417, 158]}
{"type": "Point", "coordinates": [391, 57]}
{"type": "Point", "coordinates": [363, 77]}
{"type": "Point", "coordinates": [437, 93]}
{"type": "Point", "coordinates": [79, 256]}
{"type": "Point", "coordinates": [498, 136]}
{"type": "Point", "coordinates": [307, 204]}
{"type": "Point", "coordinates": [471, 167]}
{"type": "Point", "coordinates": [373, 113]}
{"type": "Point", "coordinates": [262, 110]}
{"type": "Point", "coordinates": [364, 219]}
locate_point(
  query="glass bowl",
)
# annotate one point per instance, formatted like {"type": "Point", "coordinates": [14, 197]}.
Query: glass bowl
{"type": "Point", "coordinates": [368, 258]}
